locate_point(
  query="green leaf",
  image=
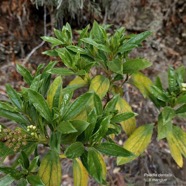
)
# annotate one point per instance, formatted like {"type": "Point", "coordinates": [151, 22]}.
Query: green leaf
{"type": "Point", "coordinates": [129, 125]}
{"type": "Point", "coordinates": [14, 116]}
{"type": "Point", "coordinates": [137, 142]}
{"type": "Point", "coordinates": [159, 94]}
{"type": "Point", "coordinates": [45, 79]}
{"type": "Point", "coordinates": [25, 160]}
{"type": "Point", "coordinates": [172, 79]}
{"type": "Point", "coordinates": [80, 125]}
{"type": "Point", "coordinates": [66, 97]}
{"type": "Point", "coordinates": [98, 32]}
{"type": "Point", "coordinates": [58, 34]}
{"type": "Point", "coordinates": [65, 127]}
{"type": "Point", "coordinates": [61, 71]}
{"type": "Point", "coordinates": [168, 114]}
{"type": "Point", "coordinates": [55, 140]}
{"type": "Point", "coordinates": [84, 32]}
{"type": "Point", "coordinates": [7, 106]}
{"type": "Point", "coordinates": [92, 119]}
{"type": "Point", "coordinates": [122, 117]}
{"type": "Point", "coordinates": [55, 88]}
{"type": "Point", "coordinates": [163, 127]}
{"type": "Point", "coordinates": [52, 40]}
{"type": "Point", "coordinates": [6, 180]}
{"type": "Point", "coordinates": [50, 169]}
{"type": "Point", "coordinates": [69, 32]}
{"type": "Point", "coordinates": [76, 49]}
{"type": "Point", "coordinates": [40, 104]}
{"type": "Point", "coordinates": [113, 149]}
{"type": "Point", "coordinates": [158, 83]}
{"type": "Point", "coordinates": [14, 96]}
{"type": "Point", "coordinates": [137, 39]}
{"type": "Point", "coordinates": [77, 106]}
{"type": "Point", "coordinates": [75, 150]}
{"type": "Point", "coordinates": [180, 75]}
{"type": "Point", "coordinates": [36, 83]}
{"type": "Point", "coordinates": [134, 41]}
{"type": "Point", "coordinates": [102, 130]}
{"type": "Point", "coordinates": [14, 173]}
{"type": "Point", "coordinates": [97, 45]}
{"type": "Point", "coordinates": [98, 104]}
{"type": "Point", "coordinates": [34, 164]}
{"type": "Point", "coordinates": [127, 47]}
{"type": "Point", "coordinates": [96, 167]}
{"type": "Point", "coordinates": [50, 66]}
{"type": "Point", "coordinates": [35, 180]}
{"type": "Point", "coordinates": [116, 66]}
{"type": "Point", "coordinates": [52, 53]}
{"type": "Point", "coordinates": [114, 129]}
{"type": "Point", "coordinates": [25, 73]}
{"type": "Point", "coordinates": [181, 99]}
{"type": "Point", "coordinates": [4, 150]}
{"type": "Point", "coordinates": [111, 105]}
{"type": "Point", "coordinates": [133, 65]}
{"type": "Point", "coordinates": [181, 109]}
{"type": "Point", "coordinates": [22, 182]}
{"type": "Point", "coordinates": [79, 173]}
{"type": "Point", "coordinates": [100, 85]}
{"type": "Point", "coordinates": [66, 57]}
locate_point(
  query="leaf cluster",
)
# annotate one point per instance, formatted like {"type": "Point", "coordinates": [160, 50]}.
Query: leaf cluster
{"type": "Point", "coordinates": [83, 128]}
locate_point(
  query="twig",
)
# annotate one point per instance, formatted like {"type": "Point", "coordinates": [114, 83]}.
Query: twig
{"type": "Point", "coordinates": [172, 7]}
{"type": "Point", "coordinates": [106, 14]}
{"type": "Point", "coordinates": [126, 91]}
{"type": "Point", "coordinates": [33, 51]}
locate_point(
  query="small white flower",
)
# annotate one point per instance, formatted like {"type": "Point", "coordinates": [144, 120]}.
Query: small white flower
{"type": "Point", "coordinates": [183, 85]}
{"type": "Point", "coordinates": [32, 134]}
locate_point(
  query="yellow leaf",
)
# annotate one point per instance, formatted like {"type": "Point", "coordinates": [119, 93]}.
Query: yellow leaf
{"type": "Point", "coordinates": [100, 85]}
{"type": "Point", "coordinates": [50, 169]}
{"type": "Point", "coordinates": [137, 142]}
{"type": "Point", "coordinates": [79, 173]}
{"type": "Point", "coordinates": [129, 125]}
{"type": "Point", "coordinates": [174, 148]}
{"type": "Point", "coordinates": [117, 90]}
{"type": "Point", "coordinates": [52, 91]}
{"type": "Point", "coordinates": [78, 81]}
{"type": "Point", "coordinates": [142, 82]}
{"type": "Point", "coordinates": [82, 115]}
{"type": "Point", "coordinates": [177, 144]}
{"type": "Point", "coordinates": [180, 137]}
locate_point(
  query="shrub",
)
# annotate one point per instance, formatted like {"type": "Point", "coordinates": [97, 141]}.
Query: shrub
{"type": "Point", "coordinates": [83, 128]}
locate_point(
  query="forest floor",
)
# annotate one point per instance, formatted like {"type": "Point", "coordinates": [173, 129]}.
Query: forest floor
{"type": "Point", "coordinates": [21, 27]}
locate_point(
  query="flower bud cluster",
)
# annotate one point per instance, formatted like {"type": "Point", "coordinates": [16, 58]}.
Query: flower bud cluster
{"type": "Point", "coordinates": [14, 139]}
{"type": "Point", "coordinates": [32, 130]}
